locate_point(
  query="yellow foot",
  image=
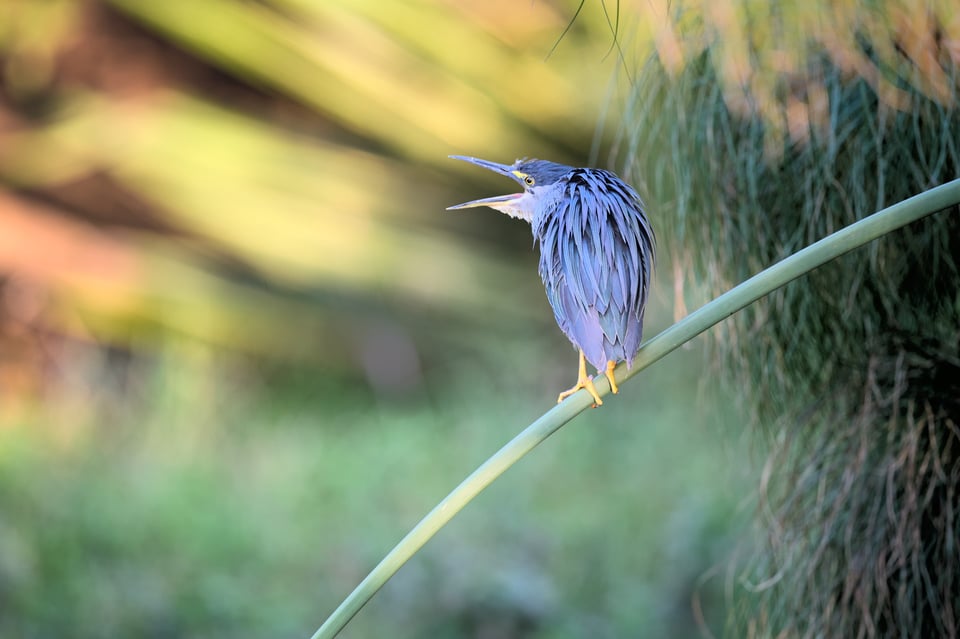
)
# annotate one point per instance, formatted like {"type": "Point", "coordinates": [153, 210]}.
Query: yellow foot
{"type": "Point", "coordinates": [609, 373]}
{"type": "Point", "coordinates": [583, 381]}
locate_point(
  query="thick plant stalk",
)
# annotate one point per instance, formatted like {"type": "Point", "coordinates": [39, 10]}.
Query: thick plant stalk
{"type": "Point", "coordinates": [761, 284]}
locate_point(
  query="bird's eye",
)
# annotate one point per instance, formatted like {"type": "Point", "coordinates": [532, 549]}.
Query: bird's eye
{"type": "Point", "coordinates": [529, 181]}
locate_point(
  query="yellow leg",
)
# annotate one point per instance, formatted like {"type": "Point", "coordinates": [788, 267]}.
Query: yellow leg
{"type": "Point", "coordinates": [609, 373]}
{"type": "Point", "coordinates": [583, 381]}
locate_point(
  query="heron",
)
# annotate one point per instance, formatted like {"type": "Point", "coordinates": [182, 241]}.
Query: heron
{"type": "Point", "coordinates": [596, 256]}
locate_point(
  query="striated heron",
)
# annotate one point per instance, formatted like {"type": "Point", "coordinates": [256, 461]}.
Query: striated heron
{"type": "Point", "coordinates": [596, 256]}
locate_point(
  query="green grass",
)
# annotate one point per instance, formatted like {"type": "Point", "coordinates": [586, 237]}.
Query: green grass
{"type": "Point", "coordinates": [225, 502]}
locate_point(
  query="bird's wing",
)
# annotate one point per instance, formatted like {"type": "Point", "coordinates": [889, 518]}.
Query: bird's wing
{"type": "Point", "coordinates": [596, 255]}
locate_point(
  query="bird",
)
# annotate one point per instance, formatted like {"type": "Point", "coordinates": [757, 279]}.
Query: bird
{"type": "Point", "coordinates": [597, 252]}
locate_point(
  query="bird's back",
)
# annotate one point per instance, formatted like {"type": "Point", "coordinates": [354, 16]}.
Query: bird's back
{"type": "Point", "coordinates": [596, 259]}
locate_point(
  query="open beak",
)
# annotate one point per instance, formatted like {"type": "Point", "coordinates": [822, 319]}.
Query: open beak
{"type": "Point", "coordinates": [492, 202]}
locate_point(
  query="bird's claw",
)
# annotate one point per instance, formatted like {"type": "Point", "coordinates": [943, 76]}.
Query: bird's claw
{"type": "Point", "coordinates": [609, 373]}
{"type": "Point", "coordinates": [583, 381]}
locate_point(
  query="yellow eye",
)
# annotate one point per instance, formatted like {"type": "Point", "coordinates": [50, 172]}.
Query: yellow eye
{"type": "Point", "coordinates": [529, 181]}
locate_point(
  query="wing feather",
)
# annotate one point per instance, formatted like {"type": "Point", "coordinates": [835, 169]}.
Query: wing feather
{"type": "Point", "coordinates": [596, 256]}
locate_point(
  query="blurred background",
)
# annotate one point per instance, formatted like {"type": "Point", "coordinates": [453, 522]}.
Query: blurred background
{"type": "Point", "coordinates": [244, 348]}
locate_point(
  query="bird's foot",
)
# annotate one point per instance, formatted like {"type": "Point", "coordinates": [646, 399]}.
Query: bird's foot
{"type": "Point", "coordinates": [587, 383]}
{"type": "Point", "coordinates": [583, 381]}
{"type": "Point", "coordinates": [609, 373]}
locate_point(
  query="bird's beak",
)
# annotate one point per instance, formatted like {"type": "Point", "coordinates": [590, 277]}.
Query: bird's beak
{"type": "Point", "coordinates": [497, 200]}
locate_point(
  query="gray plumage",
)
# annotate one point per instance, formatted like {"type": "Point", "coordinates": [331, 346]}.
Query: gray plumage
{"type": "Point", "coordinates": [596, 259]}
{"type": "Point", "coordinates": [596, 251]}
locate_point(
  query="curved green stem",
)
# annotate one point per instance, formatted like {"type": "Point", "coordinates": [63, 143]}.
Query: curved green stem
{"type": "Point", "coordinates": [717, 310]}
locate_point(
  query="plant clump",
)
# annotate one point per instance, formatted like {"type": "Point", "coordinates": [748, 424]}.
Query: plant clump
{"type": "Point", "coordinates": [852, 372]}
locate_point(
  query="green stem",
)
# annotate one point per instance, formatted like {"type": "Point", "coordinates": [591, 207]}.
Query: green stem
{"type": "Point", "coordinates": [788, 269]}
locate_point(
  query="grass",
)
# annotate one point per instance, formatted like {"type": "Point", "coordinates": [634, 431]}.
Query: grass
{"type": "Point", "coordinates": [223, 501]}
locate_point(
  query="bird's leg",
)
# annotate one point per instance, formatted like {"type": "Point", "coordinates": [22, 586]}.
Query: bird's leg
{"type": "Point", "coordinates": [609, 373]}
{"type": "Point", "coordinates": [583, 381]}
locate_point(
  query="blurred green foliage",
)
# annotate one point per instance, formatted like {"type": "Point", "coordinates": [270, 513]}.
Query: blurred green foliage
{"type": "Point", "coordinates": [243, 347]}
{"type": "Point", "coordinates": [216, 500]}
{"type": "Point", "coordinates": [300, 145]}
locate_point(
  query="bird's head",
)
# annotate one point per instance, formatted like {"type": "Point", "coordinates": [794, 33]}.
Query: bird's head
{"type": "Point", "coordinates": [535, 176]}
